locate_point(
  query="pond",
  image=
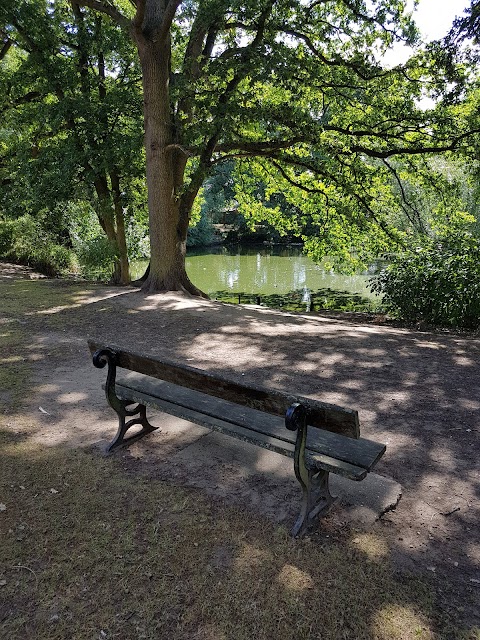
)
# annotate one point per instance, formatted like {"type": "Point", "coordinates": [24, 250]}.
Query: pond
{"type": "Point", "coordinates": [277, 276]}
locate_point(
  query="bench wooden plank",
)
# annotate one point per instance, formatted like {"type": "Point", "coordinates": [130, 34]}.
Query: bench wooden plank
{"type": "Point", "coordinates": [318, 460]}
{"type": "Point", "coordinates": [359, 453]}
{"type": "Point", "coordinates": [322, 415]}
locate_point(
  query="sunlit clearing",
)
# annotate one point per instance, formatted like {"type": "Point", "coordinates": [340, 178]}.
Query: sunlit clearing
{"type": "Point", "coordinates": [209, 632]}
{"type": "Point", "coordinates": [250, 558]}
{"type": "Point", "coordinates": [67, 398]}
{"type": "Point", "coordinates": [372, 546]}
{"type": "Point", "coordinates": [294, 578]}
{"type": "Point", "coordinates": [395, 622]}
{"type": "Point", "coordinates": [47, 388]}
{"type": "Point", "coordinates": [11, 359]}
{"type": "Point", "coordinates": [81, 302]}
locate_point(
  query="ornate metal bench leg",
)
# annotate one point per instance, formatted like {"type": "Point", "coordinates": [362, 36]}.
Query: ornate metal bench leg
{"type": "Point", "coordinates": [124, 409]}
{"type": "Point", "coordinates": [124, 425]}
{"type": "Point", "coordinates": [320, 497]}
{"type": "Point", "coordinates": [316, 501]}
{"type": "Point", "coordinates": [316, 494]}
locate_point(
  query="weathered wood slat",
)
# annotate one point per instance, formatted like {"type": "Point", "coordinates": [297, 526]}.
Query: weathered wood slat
{"type": "Point", "coordinates": [360, 453]}
{"type": "Point", "coordinates": [322, 415]}
{"type": "Point", "coordinates": [317, 460]}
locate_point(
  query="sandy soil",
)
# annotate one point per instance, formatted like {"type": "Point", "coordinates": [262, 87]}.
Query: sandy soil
{"type": "Point", "coordinates": [417, 391]}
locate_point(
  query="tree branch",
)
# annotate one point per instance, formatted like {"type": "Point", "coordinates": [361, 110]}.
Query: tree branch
{"type": "Point", "coordinates": [348, 191]}
{"type": "Point", "coordinates": [389, 153]}
{"type": "Point", "coordinates": [139, 15]}
{"type": "Point", "coordinates": [355, 67]}
{"type": "Point", "coordinates": [5, 47]}
{"type": "Point", "coordinates": [242, 71]}
{"type": "Point", "coordinates": [293, 182]}
{"type": "Point", "coordinates": [407, 207]}
{"type": "Point", "coordinates": [261, 146]}
{"type": "Point", "coordinates": [31, 96]}
{"type": "Point", "coordinates": [168, 17]}
{"type": "Point", "coordinates": [108, 9]}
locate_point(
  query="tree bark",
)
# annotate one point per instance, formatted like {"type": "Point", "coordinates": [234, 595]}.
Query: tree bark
{"type": "Point", "coordinates": [120, 229]}
{"type": "Point", "coordinates": [165, 167]}
{"type": "Point", "coordinates": [112, 223]}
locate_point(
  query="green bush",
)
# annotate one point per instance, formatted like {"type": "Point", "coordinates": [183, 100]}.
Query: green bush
{"type": "Point", "coordinates": [202, 234]}
{"type": "Point", "coordinates": [25, 241]}
{"type": "Point", "coordinates": [96, 256]}
{"type": "Point", "coordinates": [95, 253]}
{"type": "Point", "coordinates": [6, 237]}
{"type": "Point", "coordinates": [437, 283]}
{"type": "Point", "coordinates": [138, 241]}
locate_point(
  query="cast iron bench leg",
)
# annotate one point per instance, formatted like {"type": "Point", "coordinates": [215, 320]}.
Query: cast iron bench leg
{"type": "Point", "coordinates": [316, 501]}
{"type": "Point", "coordinates": [124, 425]}
{"type": "Point", "coordinates": [316, 493]}
{"type": "Point", "coordinates": [121, 407]}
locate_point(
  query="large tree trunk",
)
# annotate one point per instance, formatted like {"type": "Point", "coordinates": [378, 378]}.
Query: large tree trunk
{"type": "Point", "coordinates": [165, 173]}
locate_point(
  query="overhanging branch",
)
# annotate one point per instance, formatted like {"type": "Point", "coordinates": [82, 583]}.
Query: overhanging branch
{"type": "Point", "coordinates": [260, 147]}
{"type": "Point", "coordinates": [5, 47]}
{"type": "Point", "coordinates": [407, 206]}
{"type": "Point", "coordinates": [358, 69]}
{"type": "Point", "coordinates": [410, 151]}
{"type": "Point", "coordinates": [107, 9]}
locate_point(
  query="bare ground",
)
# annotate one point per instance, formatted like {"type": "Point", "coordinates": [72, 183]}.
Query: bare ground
{"type": "Point", "coordinates": [417, 391]}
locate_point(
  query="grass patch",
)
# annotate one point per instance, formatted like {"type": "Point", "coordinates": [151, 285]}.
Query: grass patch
{"type": "Point", "coordinates": [89, 551]}
{"type": "Point", "coordinates": [21, 297]}
{"type": "Point", "coordinates": [14, 369]}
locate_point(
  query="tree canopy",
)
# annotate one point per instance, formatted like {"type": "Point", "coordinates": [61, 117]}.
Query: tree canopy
{"type": "Point", "coordinates": [294, 90]}
{"type": "Point", "coordinates": [71, 105]}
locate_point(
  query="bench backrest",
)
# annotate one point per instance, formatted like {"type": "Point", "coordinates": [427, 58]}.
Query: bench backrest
{"type": "Point", "coordinates": [319, 414]}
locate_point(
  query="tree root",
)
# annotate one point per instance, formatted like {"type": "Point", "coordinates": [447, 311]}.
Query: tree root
{"type": "Point", "coordinates": [182, 284]}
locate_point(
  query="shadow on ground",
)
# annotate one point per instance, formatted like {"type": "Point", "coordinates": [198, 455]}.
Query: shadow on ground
{"type": "Point", "coordinates": [416, 391]}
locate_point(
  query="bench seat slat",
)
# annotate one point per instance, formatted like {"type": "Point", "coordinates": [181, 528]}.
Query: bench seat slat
{"type": "Point", "coordinates": [317, 460]}
{"type": "Point", "coordinates": [359, 453]}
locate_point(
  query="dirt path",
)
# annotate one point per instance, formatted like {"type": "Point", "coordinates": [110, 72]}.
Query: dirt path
{"type": "Point", "coordinates": [416, 391]}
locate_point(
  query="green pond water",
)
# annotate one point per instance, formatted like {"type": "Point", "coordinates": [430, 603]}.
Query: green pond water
{"type": "Point", "coordinates": [280, 277]}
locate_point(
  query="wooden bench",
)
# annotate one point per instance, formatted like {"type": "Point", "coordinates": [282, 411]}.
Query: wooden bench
{"type": "Point", "coordinates": [321, 438]}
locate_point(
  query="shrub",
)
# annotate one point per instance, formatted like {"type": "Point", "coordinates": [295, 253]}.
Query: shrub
{"type": "Point", "coordinates": [438, 282]}
{"type": "Point", "coordinates": [138, 241]}
{"type": "Point", "coordinates": [202, 234]}
{"type": "Point", "coordinates": [25, 241]}
{"type": "Point", "coordinates": [96, 256]}
{"type": "Point", "coordinates": [6, 237]}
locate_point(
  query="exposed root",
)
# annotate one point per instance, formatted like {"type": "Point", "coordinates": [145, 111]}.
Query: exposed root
{"type": "Point", "coordinates": [182, 284]}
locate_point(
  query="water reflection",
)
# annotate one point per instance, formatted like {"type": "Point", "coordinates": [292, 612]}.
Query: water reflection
{"type": "Point", "coordinates": [266, 271]}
